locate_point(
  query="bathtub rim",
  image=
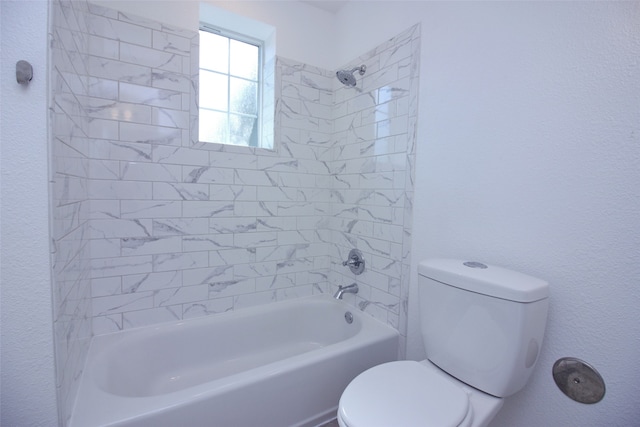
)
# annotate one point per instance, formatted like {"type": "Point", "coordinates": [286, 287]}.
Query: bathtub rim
{"type": "Point", "coordinates": [132, 407]}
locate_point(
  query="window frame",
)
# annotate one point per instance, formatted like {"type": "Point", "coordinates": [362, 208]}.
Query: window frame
{"type": "Point", "coordinates": [260, 44]}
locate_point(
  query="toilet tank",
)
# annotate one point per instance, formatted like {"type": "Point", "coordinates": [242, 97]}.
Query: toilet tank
{"type": "Point", "coordinates": [482, 324]}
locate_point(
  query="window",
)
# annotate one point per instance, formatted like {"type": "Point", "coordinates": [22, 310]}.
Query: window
{"type": "Point", "coordinates": [230, 89]}
{"type": "Point", "coordinates": [236, 74]}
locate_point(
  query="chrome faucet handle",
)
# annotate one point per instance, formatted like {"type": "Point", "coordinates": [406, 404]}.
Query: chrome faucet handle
{"type": "Point", "coordinates": [352, 261]}
{"type": "Point", "coordinates": [355, 262]}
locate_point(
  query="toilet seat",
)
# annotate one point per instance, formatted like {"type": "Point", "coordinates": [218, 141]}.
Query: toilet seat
{"type": "Point", "coordinates": [406, 394]}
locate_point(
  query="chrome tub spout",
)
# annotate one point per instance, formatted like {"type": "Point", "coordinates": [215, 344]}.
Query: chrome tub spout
{"type": "Point", "coordinates": [351, 289]}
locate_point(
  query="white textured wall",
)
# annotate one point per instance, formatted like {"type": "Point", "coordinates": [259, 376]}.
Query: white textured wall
{"type": "Point", "coordinates": [28, 384]}
{"type": "Point", "coordinates": [528, 157]}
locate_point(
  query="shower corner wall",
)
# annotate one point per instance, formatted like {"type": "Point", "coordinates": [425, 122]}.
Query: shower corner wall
{"type": "Point", "coordinates": [372, 176]}
{"type": "Point", "coordinates": [69, 197]}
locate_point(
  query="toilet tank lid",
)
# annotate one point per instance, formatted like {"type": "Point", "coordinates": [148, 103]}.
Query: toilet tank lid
{"type": "Point", "coordinates": [485, 279]}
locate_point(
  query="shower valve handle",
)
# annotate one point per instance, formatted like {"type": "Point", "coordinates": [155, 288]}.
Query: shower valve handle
{"type": "Point", "coordinates": [355, 262]}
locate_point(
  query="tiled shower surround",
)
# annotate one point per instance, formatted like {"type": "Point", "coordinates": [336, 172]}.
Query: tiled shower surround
{"type": "Point", "coordinates": [150, 226]}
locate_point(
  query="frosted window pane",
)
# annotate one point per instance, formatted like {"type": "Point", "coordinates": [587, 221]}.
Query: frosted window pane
{"type": "Point", "coordinates": [213, 127]}
{"type": "Point", "coordinates": [214, 52]}
{"type": "Point", "coordinates": [244, 60]}
{"type": "Point", "coordinates": [243, 130]}
{"type": "Point", "coordinates": [243, 96]}
{"type": "Point", "coordinates": [213, 90]}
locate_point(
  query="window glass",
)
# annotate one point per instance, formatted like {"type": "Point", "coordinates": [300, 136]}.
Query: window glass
{"type": "Point", "coordinates": [229, 90]}
{"type": "Point", "coordinates": [214, 126]}
{"type": "Point", "coordinates": [215, 87]}
{"type": "Point", "coordinates": [243, 96]}
{"type": "Point", "coordinates": [214, 52]}
{"type": "Point", "coordinates": [244, 60]}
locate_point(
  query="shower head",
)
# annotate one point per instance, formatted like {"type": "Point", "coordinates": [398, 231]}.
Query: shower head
{"type": "Point", "coordinates": [347, 78]}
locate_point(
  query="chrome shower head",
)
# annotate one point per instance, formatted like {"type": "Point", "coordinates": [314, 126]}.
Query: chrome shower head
{"type": "Point", "coordinates": [347, 78]}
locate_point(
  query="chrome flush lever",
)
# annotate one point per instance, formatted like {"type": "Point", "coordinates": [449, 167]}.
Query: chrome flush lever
{"type": "Point", "coordinates": [355, 262]}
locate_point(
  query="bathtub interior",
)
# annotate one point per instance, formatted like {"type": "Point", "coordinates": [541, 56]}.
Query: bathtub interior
{"type": "Point", "coordinates": [283, 364]}
{"type": "Point", "coordinates": [165, 359]}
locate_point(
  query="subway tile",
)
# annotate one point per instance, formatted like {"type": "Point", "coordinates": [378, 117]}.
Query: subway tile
{"type": "Point", "coordinates": [144, 171]}
{"type": "Point", "coordinates": [180, 191]}
{"type": "Point", "coordinates": [152, 58]}
{"type": "Point", "coordinates": [104, 248]}
{"type": "Point", "coordinates": [149, 245]}
{"type": "Point", "coordinates": [232, 225]}
{"type": "Point", "coordinates": [134, 132]}
{"type": "Point", "coordinates": [103, 47]}
{"type": "Point", "coordinates": [118, 30]}
{"type": "Point", "coordinates": [275, 253]}
{"type": "Point", "coordinates": [180, 156]}
{"type": "Point", "coordinates": [253, 299]}
{"type": "Point", "coordinates": [231, 256]}
{"type": "Point", "coordinates": [170, 118]}
{"type": "Point", "coordinates": [207, 209]}
{"type": "Point", "coordinates": [138, 318]}
{"type": "Point", "coordinates": [208, 175]}
{"type": "Point", "coordinates": [257, 239]}
{"type": "Point", "coordinates": [154, 25]}
{"type": "Point", "coordinates": [180, 261]}
{"type": "Point", "coordinates": [151, 281]}
{"type": "Point", "coordinates": [107, 109]}
{"type": "Point", "coordinates": [109, 189]}
{"type": "Point", "coordinates": [102, 129]}
{"type": "Point", "coordinates": [106, 324]}
{"type": "Point", "coordinates": [101, 287]}
{"type": "Point", "coordinates": [104, 209]}
{"type": "Point", "coordinates": [206, 276]}
{"type": "Point", "coordinates": [106, 267]}
{"type": "Point", "coordinates": [150, 96]}
{"type": "Point", "coordinates": [171, 43]}
{"type": "Point", "coordinates": [137, 209]}
{"type": "Point", "coordinates": [120, 150]}
{"type": "Point", "coordinates": [208, 242]}
{"type": "Point", "coordinates": [110, 69]}
{"type": "Point", "coordinates": [180, 226]}
{"type": "Point", "coordinates": [121, 303]}
{"type": "Point", "coordinates": [232, 287]}
{"type": "Point", "coordinates": [181, 295]}
{"type": "Point", "coordinates": [233, 192]}
{"type": "Point", "coordinates": [207, 307]}
{"type": "Point", "coordinates": [177, 82]}
{"type": "Point", "coordinates": [253, 270]}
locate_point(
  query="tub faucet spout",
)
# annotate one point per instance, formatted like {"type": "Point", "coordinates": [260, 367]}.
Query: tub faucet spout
{"type": "Point", "coordinates": [351, 289]}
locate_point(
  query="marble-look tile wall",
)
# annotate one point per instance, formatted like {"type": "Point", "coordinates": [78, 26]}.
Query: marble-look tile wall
{"type": "Point", "coordinates": [371, 176]}
{"type": "Point", "coordinates": [179, 229]}
{"type": "Point", "coordinates": [69, 197]}
{"type": "Point", "coordinates": [182, 229]}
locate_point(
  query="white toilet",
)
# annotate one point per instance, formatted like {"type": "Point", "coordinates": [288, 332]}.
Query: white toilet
{"type": "Point", "coordinates": [482, 328]}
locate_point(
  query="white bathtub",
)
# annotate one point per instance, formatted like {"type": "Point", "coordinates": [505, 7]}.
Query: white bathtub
{"type": "Point", "coordinates": [282, 364]}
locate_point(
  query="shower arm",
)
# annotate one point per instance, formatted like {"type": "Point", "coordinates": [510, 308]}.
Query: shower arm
{"type": "Point", "coordinates": [361, 69]}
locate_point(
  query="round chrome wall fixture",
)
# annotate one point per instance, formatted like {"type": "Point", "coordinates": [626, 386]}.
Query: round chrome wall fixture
{"type": "Point", "coordinates": [355, 262]}
{"type": "Point", "coordinates": [578, 380]}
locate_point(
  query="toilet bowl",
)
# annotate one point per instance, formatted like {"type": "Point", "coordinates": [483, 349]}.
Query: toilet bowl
{"type": "Point", "coordinates": [482, 327]}
{"type": "Point", "coordinates": [412, 394]}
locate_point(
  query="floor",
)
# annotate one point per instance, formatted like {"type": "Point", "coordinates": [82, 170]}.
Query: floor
{"type": "Point", "coordinates": [333, 423]}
